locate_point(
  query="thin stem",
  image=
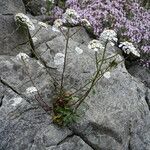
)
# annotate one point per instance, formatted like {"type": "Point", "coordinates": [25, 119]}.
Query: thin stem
{"type": "Point", "coordinates": [96, 72]}
{"type": "Point", "coordinates": [96, 61]}
{"type": "Point", "coordinates": [63, 33]}
{"type": "Point", "coordinates": [109, 57]}
{"type": "Point", "coordinates": [75, 32]}
{"type": "Point", "coordinates": [94, 79]}
{"type": "Point", "coordinates": [92, 85]}
{"type": "Point", "coordinates": [35, 86]}
{"type": "Point", "coordinates": [81, 88]}
{"type": "Point", "coordinates": [65, 61]}
{"type": "Point", "coordinates": [103, 56]}
{"type": "Point", "coordinates": [28, 41]}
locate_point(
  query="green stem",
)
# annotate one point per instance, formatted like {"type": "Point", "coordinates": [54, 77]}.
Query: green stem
{"type": "Point", "coordinates": [28, 41]}
{"type": "Point", "coordinates": [42, 101]}
{"type": "Point", "coordinates": [96, 61]}
{"type": "Point", "coordinates": [94, 79]}
{"type": "Point", "coordinates": [109, 58]}
{"type": "Point", "coordinates": [65, 62]}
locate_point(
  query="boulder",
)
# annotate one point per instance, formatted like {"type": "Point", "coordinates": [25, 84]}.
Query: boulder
{"type": "Point", "coordinates": [34, 6]}
{"type": "Point", "coordinates": [115, 116]}
{"type": "Point", "coordinates": [142, 73]}
{"type": "Point", "coordinates": [115, 111]}
{"type": "Point", "coordinates": [11, 7]}
{"type": "Point", "coordinates": [12, 39]}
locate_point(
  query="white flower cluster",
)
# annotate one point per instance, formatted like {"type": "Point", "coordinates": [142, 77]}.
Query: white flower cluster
{"type": "Point", "coordinates": [109, 35]}
{"type": "Point", "coordinates": [95, 45]}
{"type": "Point", "coordinates": [59, 59]}
{"type": "Point", "coordinates": [43, 25]}
{"type": "Point", "coordinates": [58, 23]}
{"type": "Point", "coordinates": [23, 19]}
{"type": "Point", "coordinates": [21, 56]}
{"type": "Point", "coordinates": [86, 23]}
{"type": "Point", "coordinates": [70, 16]}
{"type": "Point", "coordinates": [128, 47]}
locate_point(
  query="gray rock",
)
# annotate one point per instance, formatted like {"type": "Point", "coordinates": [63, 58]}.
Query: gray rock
{"type": "Point", "coordinates": [119, 102]}
{"type": "Point", "coordinates": [116, 114]}
{"type": "Point", "coordinates": [34, 6]}
{"type": "Point", "coordinates": [42, 34]}
{"type": "Point", "coordinates": [24, 124]}
{"type": "Point", "coordinates": [140, 139]}
{"type": "Point", "coordinates": [142, 73]}
{"type": "Point", "coordinates": [11, 7]}
{"type": "Point", "coordinates": [12, 39]}
{"type": "Point", "coordinates": [73, 143]}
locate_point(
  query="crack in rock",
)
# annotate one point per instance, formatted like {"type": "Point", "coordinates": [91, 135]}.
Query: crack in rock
{"type": "Point", "coordinates": [80, 135]}
{"type": "Point", "coordinates": [147, 99]}
{"type": "Point", "coordinates": [1, 100]}
{"type": "Point", "coordinates": [65, 139]}
{"type": "Point", "coordinates": [7, 14]}
{"type": "Point", "coordinates": [15, 91]}
{"type": "Point", "coordinates": [108, 131]}
{"type": "Point", "coordinates": [9, 86]}
{"type": "Point", "coordinates": [93, 146]}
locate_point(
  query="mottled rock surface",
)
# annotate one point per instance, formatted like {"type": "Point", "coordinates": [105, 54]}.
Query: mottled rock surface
{"type": "Point", "coordinates": [116, 117]}
{"type": "Point", "coordinates": [11, 7]}
{"type": "Point", "coordinates": [34, 6]}
{"type": "Point", "coordinates": [12, 39]}
{"type": "Point", "coordinates": [142, 73]}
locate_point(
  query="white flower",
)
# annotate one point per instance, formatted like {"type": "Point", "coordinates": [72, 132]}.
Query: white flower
{"type": "Point", "coordinates": [107, 75]}
{"type": "Point", "coordinates": [42, 24]}
{"type": "Point", "coordinates": [95, 45]}
{"type": "Point", "coordinates": [71, 16]}
{"type": "Point", "coordinates": [23, 56]}
{"type": "Point", "coordinates": [71, 12]}
{"type": "Point", "coordinates": [59, 59]}
{"type": "Point", "coordinates": [86, 23]}
{"type": "Point", "coordinates": [128, 47]}
{"type": "Point", "coordinates": [109, 35]}
{"type": "Point", "coordinates": [23, 19]}
{"type": "Point", "coordinates": [34, 39]}
{"type": "Point", "coordinates": [31, 90]}
{"type": "Point", "coordinates": [78, 50]}
{"type": "Point", "coordinates": [58, 23]}
{"type": "Point", "coordinates": [17, 101]}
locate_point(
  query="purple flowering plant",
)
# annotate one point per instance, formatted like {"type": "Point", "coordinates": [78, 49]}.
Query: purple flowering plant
{"type": "Point", "coordinates": [128, 18]}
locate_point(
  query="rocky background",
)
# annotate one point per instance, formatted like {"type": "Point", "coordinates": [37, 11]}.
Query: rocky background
{"type": "Point", "coordinates": [117, 116]}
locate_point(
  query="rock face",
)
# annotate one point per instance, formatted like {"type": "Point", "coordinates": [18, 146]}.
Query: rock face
{"type": "Point", "coordinates": [116, 117]}
{"type": "Point", "coordinates": [11, 7]}
{"type": "Point", "coordinates": [12, 39]}
{"type": "Point", "coordinates": [141, 73]}
{"type": "Point", "coordinates": [34, 6]}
